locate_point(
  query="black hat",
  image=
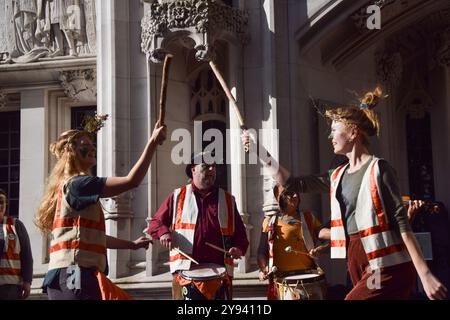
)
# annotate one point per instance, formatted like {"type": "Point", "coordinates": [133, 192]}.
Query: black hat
{"type": "Point", "coordinates": [196, 159]}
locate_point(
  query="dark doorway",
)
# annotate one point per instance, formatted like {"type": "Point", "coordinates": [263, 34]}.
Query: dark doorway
{"type": "Point", "coordinates": [420, 157]}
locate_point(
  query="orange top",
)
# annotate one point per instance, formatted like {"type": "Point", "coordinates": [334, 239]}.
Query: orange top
{"type": "Point", "coordinates": [290, 235]}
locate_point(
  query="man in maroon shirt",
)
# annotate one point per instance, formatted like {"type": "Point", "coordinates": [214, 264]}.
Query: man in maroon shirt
{"type": "Point", "coordinates": [207, 225]}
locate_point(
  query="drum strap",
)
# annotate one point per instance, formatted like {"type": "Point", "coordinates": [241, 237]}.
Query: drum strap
{"type": "Point", "coordinates": [307, 238]}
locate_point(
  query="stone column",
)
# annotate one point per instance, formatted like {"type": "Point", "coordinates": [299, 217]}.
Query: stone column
{"type": "Point", "coordinates": [33, 169]}
{"type": "Point", "coordinates": [270, 69]}
{"type": "Point", "coordinates": [114, 139]}
{"type": "Point", "coordinates": [237, 156]}
{"type": "Point", "coordinates": [152, 263]}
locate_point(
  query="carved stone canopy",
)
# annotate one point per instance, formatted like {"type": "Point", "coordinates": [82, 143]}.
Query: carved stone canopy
{"type": "Point", "coordinates": [195, 24]}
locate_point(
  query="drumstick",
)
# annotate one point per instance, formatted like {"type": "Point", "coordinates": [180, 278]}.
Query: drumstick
{"type": "Point", "coordinates": [230, 97]}
{"type": "Point", "coordinates": [289, 249]}
{"type": "Point", "coordinates": [217, 248]}
{"type": "Point", "coordinates": [164, 82]}
{"type": "Point", "coordinates": [185, 254]}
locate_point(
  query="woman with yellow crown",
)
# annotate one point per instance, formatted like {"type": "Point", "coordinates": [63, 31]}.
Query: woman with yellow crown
{"type": "Point", "coordinates": [369, 224]}
{"type": "Point", "coordinates": [71, 212]}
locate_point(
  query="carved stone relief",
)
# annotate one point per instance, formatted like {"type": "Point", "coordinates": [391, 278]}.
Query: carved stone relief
{"type": "Point", "coordinates": [3, 97]}
{"type": "Point", "coordinates": [47, 28]}
{"type": "Point", "coordinates": [9, 100]}
{"type": "Point", "coordinates": [80, 85]}
{"type": "Point", "coordinates": [201, 21]}
{"type": "Point", "coordinates": [443, 51]}
{"type": "Point", "coordinates": [389, 68]}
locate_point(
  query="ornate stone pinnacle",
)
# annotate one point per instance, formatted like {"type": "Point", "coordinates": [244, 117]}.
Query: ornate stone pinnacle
{"type": "Point", "coordinates": [196, 24]}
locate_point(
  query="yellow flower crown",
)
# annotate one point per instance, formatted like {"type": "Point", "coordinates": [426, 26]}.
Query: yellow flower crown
{"type": "Point", "coordinates": [93, 124]}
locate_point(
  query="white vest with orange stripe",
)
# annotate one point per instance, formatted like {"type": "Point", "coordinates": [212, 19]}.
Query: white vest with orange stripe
{"type": "Point", "coordinates": [10, 267]}
{"type": "Point", "coordinates": [185, 214]}
{"type": "Point", "coordinates": [78, 237]}
{"type": "Point", "coordinates": [383, 246]}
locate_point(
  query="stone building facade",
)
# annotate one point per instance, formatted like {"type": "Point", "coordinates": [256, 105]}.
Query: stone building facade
{"type": "Point", "coordinates": [284, 61]}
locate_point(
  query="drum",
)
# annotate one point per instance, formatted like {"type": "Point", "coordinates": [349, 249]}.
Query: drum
{"type": "Point", "coordinates": [309, 285]}
{"type": "Point", "coordinates": [207, 281]}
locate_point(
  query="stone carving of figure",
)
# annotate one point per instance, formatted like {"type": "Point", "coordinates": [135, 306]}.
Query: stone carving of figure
{"type": "Point", "coordinates": [24, 16]}
{"type": "Point", "coordinates": [50, 28]}
{"type": "Point", "coordinates": [90, 18]}
{"type": "Point", "coordinates": [46, 28]}
{"type": "Point", "coordinates": [63, 19]}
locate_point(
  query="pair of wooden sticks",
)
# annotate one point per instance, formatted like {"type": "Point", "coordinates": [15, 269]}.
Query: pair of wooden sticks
{"type": "Point", "coordinates": [195, 261]}
{"type": "Point", "coordinates": [215, 69]}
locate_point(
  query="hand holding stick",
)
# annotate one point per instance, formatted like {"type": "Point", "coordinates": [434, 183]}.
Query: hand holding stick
{"type": "Point", "coordinates": [274, 270]}
{"type": "Point", "coordinates": [230, 97]}
{"type": "Point", "coordinates": [217, 248]}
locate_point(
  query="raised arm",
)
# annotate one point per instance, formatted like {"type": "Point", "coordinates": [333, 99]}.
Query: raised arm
{"type": "Point", "coordinates": [118, 185]}
{"type": "Point", "coordinates": [276, 170]}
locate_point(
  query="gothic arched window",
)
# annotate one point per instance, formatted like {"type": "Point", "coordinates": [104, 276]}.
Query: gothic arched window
{"type": "Point", "coordinates": [209, 105]}
{"type": "Point", "coordinates": [207, 96]}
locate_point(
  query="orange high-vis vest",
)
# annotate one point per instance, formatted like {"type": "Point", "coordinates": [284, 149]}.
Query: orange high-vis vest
{"type": "Point", "coordinates": [382, 245]}
{"type": "Point", "coordinates": [10, 267]}
{"type": "Point", "coordinates": [78, 237]}
{"type": "Point", "coordinates": [185, 214]}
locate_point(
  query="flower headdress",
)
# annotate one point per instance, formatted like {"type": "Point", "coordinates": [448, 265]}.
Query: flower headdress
{"type": "Point", "coordinates": [93, 124]}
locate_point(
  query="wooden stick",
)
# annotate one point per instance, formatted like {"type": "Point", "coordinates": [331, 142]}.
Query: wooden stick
{"type": "Point", "coordinates": [185, 254]}
{"type": "Point", "coordinates": [306, 254]}
{"type": "Point", "coordinates": [164, 82]}
{"type": "Point", "coordinates": [298, 252]}
{"type": "Point", "coordinates": [230, 97]}
{"type": "Point", "coordinates": [216, 247]}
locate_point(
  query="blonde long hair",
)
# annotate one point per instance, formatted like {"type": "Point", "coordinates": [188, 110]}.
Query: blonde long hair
{"type": "Point", "coordinates": [362, 117]}
{"type": "Point", "coordinates": [67, 166]}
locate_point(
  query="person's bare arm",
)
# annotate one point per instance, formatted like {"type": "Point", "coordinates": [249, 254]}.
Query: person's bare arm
{"type": "Point", "coordinates": [325, 234]}
{"type": "Point", "coordinates": [432, 286]}
{"type": "Point", "coordinates": [116, 243]}
{"type": "Point", "coordinates": [118, 185]}
{"type": "Point", "coordinates": [279, 173]}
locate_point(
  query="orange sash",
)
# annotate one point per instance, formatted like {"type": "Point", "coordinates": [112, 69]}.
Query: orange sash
{"type": "Point", "coordinates": [109, 290]}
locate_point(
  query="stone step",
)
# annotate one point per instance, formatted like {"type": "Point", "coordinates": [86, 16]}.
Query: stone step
{"type": "Point", "coordinates": [159, 287]}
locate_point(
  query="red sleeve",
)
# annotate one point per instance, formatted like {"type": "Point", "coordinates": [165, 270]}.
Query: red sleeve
{"type": "Point", "coordinates": [240, 240]}
{"type": "Point", "coordinates": [162, 220]}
